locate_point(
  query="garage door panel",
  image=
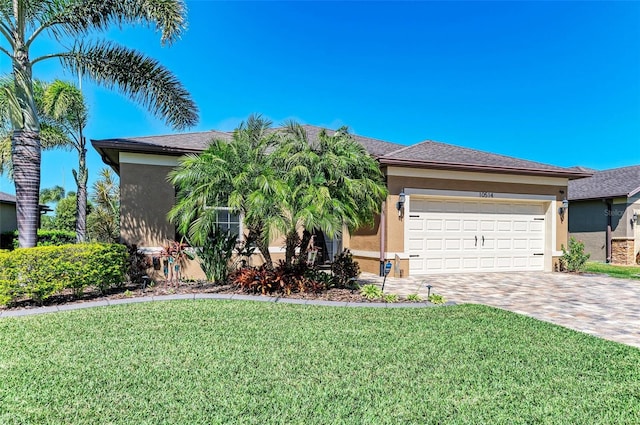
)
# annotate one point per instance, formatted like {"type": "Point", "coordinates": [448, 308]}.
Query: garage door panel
{"type": "Point", "coordinates": [469, 235]}
{"type": "Point", "coordinates": [520, 244]}
{"type": "Point", "coordinates": [452, 244]}
{"type": "Point", "coordinates": [469, 225]}
{"type": "Point", "coordinates": [536, 244]}
{"type": "Point", "coordinates": [416, 244]}
{"type": "Point", "coordinates": [452, 225]}
{"type": "Point", "coordinates": [469, 244]}
{"type": "Point", "coordinates": [503, 225]}
{"type": "Point", "coordinates": [434, 244]}
{"type": "Point", "coordinates": [536, 226]}
{"type": "Point", "coordinates": [434, 225]}
{"type": "Point", "coordinates": [503, 244]}
{"type": "Point", "coordinates": [417, 225]}
{"type": "Point", "coordinates": [487, 225]}
{"type": "Point", "coordinates": [470, 263]}
{"type": "Point", "coordinates": [434, 264]}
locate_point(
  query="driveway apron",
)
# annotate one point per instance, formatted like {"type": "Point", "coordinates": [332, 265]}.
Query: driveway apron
{"type": "Point", "coordinates": [595, 304]}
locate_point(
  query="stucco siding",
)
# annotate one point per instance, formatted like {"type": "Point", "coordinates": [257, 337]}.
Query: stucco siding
{"type": "Point", "coordinates": [588, 223]}
{"type": "Point", "coordinates": [145, 197]}
{"type": "Point", "coordinates": [8, 221]}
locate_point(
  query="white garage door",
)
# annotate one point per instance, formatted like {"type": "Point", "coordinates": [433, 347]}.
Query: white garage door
{"type": "Point", "coordinates": [449, 236]}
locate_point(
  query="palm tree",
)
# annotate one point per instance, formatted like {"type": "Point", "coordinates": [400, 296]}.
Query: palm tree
{"type": "Point", "coordinates": [331, 182]}
{"type": "Point", "coordinates": [51, 194]}
{"type": "Point", "coordinates": [104, 219]}
{"type": "Point", "coordinates": [52, 133]}
{"type": "Point", "coordinates": [64, 103]}
{"type": "Point", "coordinates": [143, 79]}
{"type": "Point", "coordinates": [234, 174]}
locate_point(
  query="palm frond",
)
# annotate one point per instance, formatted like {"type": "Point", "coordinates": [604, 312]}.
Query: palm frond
{"type": "Point", "coordinates": [139, 77]}
{"type": "Point", "coordinates": [80, 17]}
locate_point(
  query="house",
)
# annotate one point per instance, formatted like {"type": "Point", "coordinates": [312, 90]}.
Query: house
{"type": "Point", "coordinates": [604, 212]}
{"type": "Point", "coordinates": [8, 219]}
{"type": "Point", "coordinates": [450, 209]}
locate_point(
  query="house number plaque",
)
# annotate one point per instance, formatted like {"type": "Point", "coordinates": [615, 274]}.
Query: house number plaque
{"type": "Point", "coordinates": [486, 194]}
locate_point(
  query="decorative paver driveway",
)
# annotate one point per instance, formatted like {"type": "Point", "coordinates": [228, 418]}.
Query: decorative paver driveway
{"type": "Point", "coordinates": [596, 304]}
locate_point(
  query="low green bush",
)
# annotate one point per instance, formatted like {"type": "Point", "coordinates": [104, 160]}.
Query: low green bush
{"type": "Point", "coordinates": [40, 272]}
{"type": "Point", "coordinates": [9, 240]}
{"type": "Point", "coordinates": [371, 292]}
{"type": "Point", "coordinates": [574, 258]}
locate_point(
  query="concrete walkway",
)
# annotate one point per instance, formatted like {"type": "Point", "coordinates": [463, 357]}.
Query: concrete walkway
{"type": "Point", "coordinates": [595, 304]}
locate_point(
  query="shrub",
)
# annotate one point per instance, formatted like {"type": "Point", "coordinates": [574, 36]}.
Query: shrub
{"type": "Point", "coordinates": [371, 292]}
{"type": "Point", "coordinates": [390, 298]}
{"type": "Point", "coordinates": [9, 240]}
{"type": "Point", "coordinates": [574, 258]}
{"type": "Point", "coordinates": [344, 269]}
{"type": "Point", "coordinates": [37, 273]}
{"type": "Point", "coordinates": [283, 279]}
{"type": "Point", "coordinates": [215, 254]}
{"type": "Point", "coordinates": [437, 299]}
{"type": "Point", "coordinates": [414, 297]}
{"type": "Point", "coordinates": [137, 264]}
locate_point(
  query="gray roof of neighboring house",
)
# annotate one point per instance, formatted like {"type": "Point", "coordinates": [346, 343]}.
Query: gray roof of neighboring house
{"type": "Point", "coordinates": [7, 198]}
{"type": "Point", "coordinates": [613, 183]}
{"type": "Point", "coordinates": [428, 154]}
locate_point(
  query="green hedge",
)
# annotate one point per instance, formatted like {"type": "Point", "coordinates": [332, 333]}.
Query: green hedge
{"type": "Point", "coordinates": [9, 240]}
{"type": "Point", "coordinates": [37, 273]}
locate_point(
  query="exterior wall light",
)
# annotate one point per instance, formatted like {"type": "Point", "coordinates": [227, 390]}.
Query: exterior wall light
{"type": "Point", "coordinates": [563, 209]}
{"type": "Point", "coordinates": [400, 203]}
{"type": "Point", "coordinates": [635, 216]}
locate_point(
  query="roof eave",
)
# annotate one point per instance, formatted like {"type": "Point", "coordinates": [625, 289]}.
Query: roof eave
{"type": "Point", "coordinates": [483, 168]}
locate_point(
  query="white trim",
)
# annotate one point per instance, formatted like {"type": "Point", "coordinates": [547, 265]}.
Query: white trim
{"type": "Point", "coordinates": [376, 254]}
{"type": "Point", "coordinates": [476, 176]}
{"type": "Point", "coordinates": [477, 195]}
{"type": "Point", "coordinates": [148, 159]}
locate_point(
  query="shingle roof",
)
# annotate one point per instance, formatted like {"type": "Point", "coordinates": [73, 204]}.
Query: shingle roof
{"type": "Point", "coordinates": [374, 146]}
{"type": "Point", "coordinates": [425, 154]}
{"type": "Point", "coordinates": [443, 154]}
{"type": "Point", "coordinates": [5, 197]}
{"type": "Point", "coordinates": [184, 142]}
{"type": "Point", "coordinates": [616, 182]}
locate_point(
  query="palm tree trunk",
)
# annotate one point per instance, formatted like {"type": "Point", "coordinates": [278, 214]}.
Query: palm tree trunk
{"type": "Point", "coordinates": [291, 243]}
{"type": "Point", "coordinates": [81, 198]}
{"type": "Point", "coordinates": [25, 144]}
{"type": "Point", "coordinates": [25, 151]}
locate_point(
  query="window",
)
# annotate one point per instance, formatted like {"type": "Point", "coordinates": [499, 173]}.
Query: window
{"type": "Point", "coordinates": [229, 221]}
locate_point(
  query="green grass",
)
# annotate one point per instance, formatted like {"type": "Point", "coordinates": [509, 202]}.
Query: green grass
{"type": "Point", "coordinates": [624, 272]}
{"type": "Point", "coordinates": [209, 362]}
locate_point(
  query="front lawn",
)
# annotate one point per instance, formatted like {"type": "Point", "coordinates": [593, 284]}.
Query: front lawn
{"type": "Point", "coordinates": [202, 362]}
{"type": "Point", "coordinates": [624, 272]}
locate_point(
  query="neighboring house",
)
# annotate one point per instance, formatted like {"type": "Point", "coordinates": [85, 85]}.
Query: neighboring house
{"type": "Point", "coordinates": [450, 209]}
{"type": "Point", "coordinates": [8, 220]}
{"type": "Point", "coordinates": [604, 211]}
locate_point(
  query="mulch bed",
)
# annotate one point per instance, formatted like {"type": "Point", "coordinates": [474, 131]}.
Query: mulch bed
{"type": "Point", "coordinates": [132, 290]}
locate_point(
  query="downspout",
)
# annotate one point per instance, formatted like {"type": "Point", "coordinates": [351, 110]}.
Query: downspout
{"type": "Point", "coordinates": [383, 236]}
{"type": "Point", "coordinates": [608, 237]}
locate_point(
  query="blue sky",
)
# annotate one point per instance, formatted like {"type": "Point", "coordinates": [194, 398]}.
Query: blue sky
{"type": "Point", "coordinates": [555, 82]}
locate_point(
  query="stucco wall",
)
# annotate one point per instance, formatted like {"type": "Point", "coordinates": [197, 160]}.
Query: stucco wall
{"type": "Point", "coordinates": [145, 197]}
{"type": "Point", "coordinates": [588, 223]}
{"type": "Point", "coordinates": [8, 221]}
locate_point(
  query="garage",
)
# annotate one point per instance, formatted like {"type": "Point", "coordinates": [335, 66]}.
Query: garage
{"type": "Point", "coordinates": [475, 235]}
